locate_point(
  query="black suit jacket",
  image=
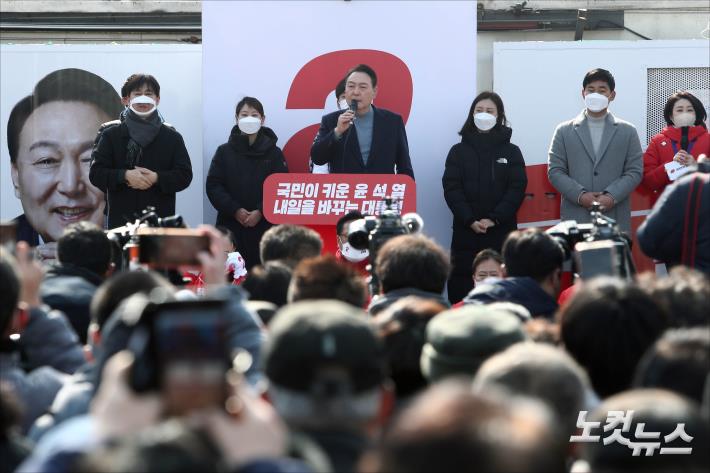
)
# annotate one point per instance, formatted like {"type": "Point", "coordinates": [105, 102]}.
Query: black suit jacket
{"type": "Point", "coordinates": [389, 153]}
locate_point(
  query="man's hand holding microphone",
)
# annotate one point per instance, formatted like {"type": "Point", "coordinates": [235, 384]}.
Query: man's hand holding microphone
{"type": "Point", "coordinates": [346, 119]}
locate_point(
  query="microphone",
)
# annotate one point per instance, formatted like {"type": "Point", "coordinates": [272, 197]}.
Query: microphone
{"type": "Point", "coordinates": [684, 138]}
{"type": "Point", "coordinates": [353, 108]}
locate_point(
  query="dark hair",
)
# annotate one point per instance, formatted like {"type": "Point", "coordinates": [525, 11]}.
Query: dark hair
{"type": "Point", "coordinates": [365, 69]}
{"type": "Point", "coordinates": [655, 410]}
{"type": "Point", "coordinates": [700, 113]}
{"type": "Point", "coordinates": [229, 234]}
{"type": "Point", "coordinates": [10, 293]}
{"type": "Point", "coordinates": [252, 102]}
{"type": "Point", "coordinates": [678, 362]}
{"type": "Point", "coordinates": [607, 326]}
{"type": "Point", "coordinates": [289, 243]}
{"type": "Point", "coordinates": [470, 127]}
{"type": "Point", "coordinates": [532, 253]}
{"type": "Point", "coordinates": [136, 81]}
{"type": "Point", "coordinates": [683, 294]}
{"type": "Point", "coordinates": [71, 85]}
{"type": "Point", "coordinates": [448, 428]}
{"type": "Point", "coordinates": [339, 89]}
{"type": "Point", "coordinates": [485, 255]}
{"type": "Point", "coordinates": [402, 327]}
{"type": "Point", "coordinates": [119, 287]}
{"type": "Point", "coordinates": [324, 277]}
{"type": "Point", "coordinates": [268, 282]}
{"type": "Point", "coordinates": [347, 218]}
{"type": "Point", "coordinates": [540, 371]}
{"type": "Point", "coordinates": [85, 245]}
{"type": "Point", "coordinates": [599, 74]}
{"type": "Point", "coordinates": [412, 261]}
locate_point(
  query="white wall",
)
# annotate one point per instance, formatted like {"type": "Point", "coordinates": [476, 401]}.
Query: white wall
{"type": "Point", "coordinates": [177, 68]}
{"type": "Point", "coordinates": [551, 90]}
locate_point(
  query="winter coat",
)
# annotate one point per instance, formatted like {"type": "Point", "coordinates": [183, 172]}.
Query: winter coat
{"type": "Point", "coordinates": [484, 178]}
{"type": "Point", "coordinates": [666, 230]}
{"type": "Point", "coordinates": [69, 288]}
{"type": "Point", "coordinates": [661, 151]}
{"type": "Point", "coordinates": [49, 340]}
{"type": "Point", "coordinates": [520, 290]}
{"type": "Point", "coordinates": [382, 301]}
{"type": "Point", "coordinates": [573, 167]}
{"type": "Point", "coordinates": [166, 155]}
{"type": "Point", "coordinates": [236, 180]}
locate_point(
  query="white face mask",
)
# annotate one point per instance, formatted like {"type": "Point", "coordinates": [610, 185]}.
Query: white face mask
{"type": "Point", "coordinates": [343, 104]}
{"type": "Point", "coordinates": [596, 102]}
{"type": "Point", "coordinates": [141, 99]}
{"type": "Point", "coordinates": [249, 125]}
{"type": "Point", "coordinates": [484, 121]}
{"type": "Point", "coordinates": [684, 119]}
{"type": "Point", "coordinates": [353, 255]}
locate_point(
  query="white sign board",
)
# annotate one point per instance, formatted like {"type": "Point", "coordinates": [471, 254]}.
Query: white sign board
{"type": "Point", "coordinates": [290, 56]}
{"type": "Point", "coordinates": [176, 67]}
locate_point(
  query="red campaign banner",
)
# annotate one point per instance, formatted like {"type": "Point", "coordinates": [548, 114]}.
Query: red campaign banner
{"type": "Point", "coordinates": [321, 199]}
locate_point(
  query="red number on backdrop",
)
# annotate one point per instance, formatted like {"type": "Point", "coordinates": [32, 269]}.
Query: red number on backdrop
{"type": "Point", "coordinates": [314, 83]}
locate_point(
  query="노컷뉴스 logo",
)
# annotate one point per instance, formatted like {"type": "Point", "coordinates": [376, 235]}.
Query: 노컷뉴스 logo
{"type": "Point", "coordinates": [617, 428]}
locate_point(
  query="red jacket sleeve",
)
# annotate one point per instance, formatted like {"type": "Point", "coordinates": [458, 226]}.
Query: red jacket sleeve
{"type": "Point", "coordinates": [654, 172]}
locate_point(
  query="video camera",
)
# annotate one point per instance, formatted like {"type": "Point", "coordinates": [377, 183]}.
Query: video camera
{"type": "Point", "coordinates": [160, 243]}
{"type": "Point", "coordinates": [597, 248]}
{"type": "Point", "coordinates": [371, 232]}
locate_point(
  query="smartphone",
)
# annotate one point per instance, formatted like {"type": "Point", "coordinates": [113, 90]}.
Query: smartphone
{"type": "Point", "coordinates": [170, 247]}
{"type": "Point", "coordinates": [181, 351]}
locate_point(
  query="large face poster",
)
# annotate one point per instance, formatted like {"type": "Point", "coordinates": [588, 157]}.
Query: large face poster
{"type": "Point", "coordinates": [55, 97]}
{"type": "Point", "coordinates": [424, 54]}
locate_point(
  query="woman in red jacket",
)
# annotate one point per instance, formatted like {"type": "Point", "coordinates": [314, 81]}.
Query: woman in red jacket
{"type": "Point", "coordinates": [683, 111]}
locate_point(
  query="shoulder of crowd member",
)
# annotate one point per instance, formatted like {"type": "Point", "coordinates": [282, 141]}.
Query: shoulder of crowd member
{"type": "Point", "coordinates": [49, 340]}
{"type": "Point", "coordinates": [169, 126]}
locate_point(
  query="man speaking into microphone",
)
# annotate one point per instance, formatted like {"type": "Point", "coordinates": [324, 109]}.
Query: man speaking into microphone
{"type": "Point", "coordinates": [363, 139]}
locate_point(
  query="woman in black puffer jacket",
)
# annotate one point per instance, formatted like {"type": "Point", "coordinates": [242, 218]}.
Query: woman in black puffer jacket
{"type": "Point", "coordinates": [237, 174]}
{"type": "Point", "coordinates": [484, 185]}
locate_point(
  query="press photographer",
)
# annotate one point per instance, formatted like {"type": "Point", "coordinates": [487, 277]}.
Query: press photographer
{"type": "Point", "coordinates": [372, 232]}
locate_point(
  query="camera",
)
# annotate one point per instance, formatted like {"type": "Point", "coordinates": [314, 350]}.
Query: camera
{"type": "Point", "coordinates": [597, 248]}
{"type": "Point", "coordinates": [371, 232]}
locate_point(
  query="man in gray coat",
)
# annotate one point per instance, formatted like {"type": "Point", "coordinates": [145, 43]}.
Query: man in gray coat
{"type": "Point", "coordinates": [596, 156]}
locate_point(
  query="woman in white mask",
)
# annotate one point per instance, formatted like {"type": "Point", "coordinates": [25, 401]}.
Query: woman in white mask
{"type": "Point", "coordinates": [237, 174]}
{"type": "Point", "coordinates": [484, 185]}
{"type": "Point", "coordinates": [683, 139]}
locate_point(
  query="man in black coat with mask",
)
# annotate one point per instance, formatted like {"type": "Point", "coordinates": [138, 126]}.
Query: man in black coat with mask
{"type": "Point", "coordinates": [139, 161]}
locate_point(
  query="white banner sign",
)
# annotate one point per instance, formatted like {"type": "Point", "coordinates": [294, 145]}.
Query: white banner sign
{"type": "Point", "coordinates": [75, 119]}
{"type": "Point", "coordinates": [291, 55]}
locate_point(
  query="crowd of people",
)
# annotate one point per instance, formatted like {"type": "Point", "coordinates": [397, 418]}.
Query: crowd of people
{"type": "Point", "coordinates": [270, 355]}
